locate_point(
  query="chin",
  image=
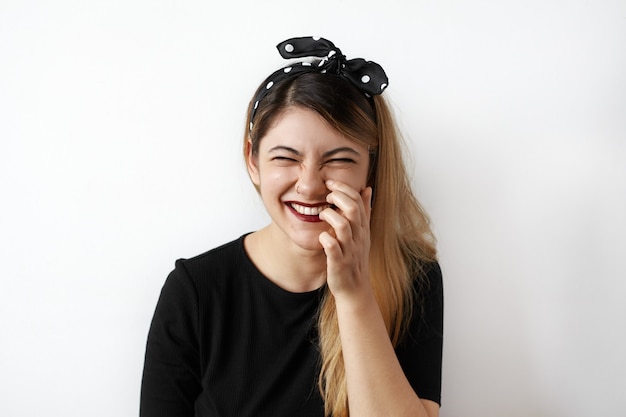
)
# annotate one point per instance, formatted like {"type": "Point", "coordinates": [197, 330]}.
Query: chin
{"type": "Point", "coordinates": [307, 240]}
{"type": "Point", "coordinates": [309, 244]}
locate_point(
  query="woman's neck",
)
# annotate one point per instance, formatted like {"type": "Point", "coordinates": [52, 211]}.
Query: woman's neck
{"type": "Point", "coordinates": [287, 265]}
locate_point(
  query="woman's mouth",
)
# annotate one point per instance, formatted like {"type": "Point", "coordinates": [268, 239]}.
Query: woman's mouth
{"type": "Point", "coordinates": [307, 213]}
{"type": "Point", "coordinates": [309, 210]}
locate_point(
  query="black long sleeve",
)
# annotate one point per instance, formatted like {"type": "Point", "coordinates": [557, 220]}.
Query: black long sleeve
{"type": "Point", "coordinates": [227, 342]}
{"type": "Point", "coordinates": [171, 378]}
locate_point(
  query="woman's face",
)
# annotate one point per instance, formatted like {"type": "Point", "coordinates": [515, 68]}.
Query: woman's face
{"type": "Point", "coordinates": [295, 159]}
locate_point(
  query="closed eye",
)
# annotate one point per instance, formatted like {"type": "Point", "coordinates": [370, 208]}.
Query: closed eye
{"type": "Point", "coordinates": [283, 158]}
{"type": "Point", "coordinates": [341, 161]}
{"type": "Point", "coordinates": [284, 161]}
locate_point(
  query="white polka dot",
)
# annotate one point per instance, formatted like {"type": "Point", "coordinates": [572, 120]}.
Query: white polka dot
{"type": "Point", "coordinates": [269, 85]}
{"type": "Point", "coordinates": [365, 79]}
{"type": "Point", "coordinates": [383, 86]}
{"type": "Point", "coordinates": [288, 69]}
{"type": "Point", "coordinates": [323, 71]}
{"type": "Point", "coordinates": [250, 125]}
{"type": "Point", "coordinates": [306, 64]}
{"type": "Point", "coordinates": [331, 53]}
{"type": "Point", "coordinates": [289, 47]}
{"type": "Point", "coordinates": [256, 105]}
{"type": "Point", "coordinates": [316, 38]}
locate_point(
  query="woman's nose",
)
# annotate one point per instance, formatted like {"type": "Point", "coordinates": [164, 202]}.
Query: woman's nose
{"type": "Point", "coordinates": [311, 183]}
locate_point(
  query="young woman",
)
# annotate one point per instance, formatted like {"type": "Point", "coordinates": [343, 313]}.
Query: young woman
{"type": "Point", "coordinates": [336, 307]}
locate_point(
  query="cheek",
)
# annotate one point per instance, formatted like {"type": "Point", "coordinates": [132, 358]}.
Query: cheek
{"type": "Point", "coordinates": [276, 178]}
{"type": "Point", "coordinates": [355, 178]}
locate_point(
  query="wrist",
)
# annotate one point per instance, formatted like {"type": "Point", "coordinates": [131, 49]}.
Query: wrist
{"type": "Point", "coordinates": [357, 301]}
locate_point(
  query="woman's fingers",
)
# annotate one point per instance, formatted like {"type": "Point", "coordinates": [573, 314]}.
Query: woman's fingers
{"type": "Point", "coordinates": [354, 206]}
{"type": "Point", "coordinates": [331, 246]}
{"type": "Point", "coordinates": [347, 241]}
{"type": "Point", "coordinates": [339, 224]}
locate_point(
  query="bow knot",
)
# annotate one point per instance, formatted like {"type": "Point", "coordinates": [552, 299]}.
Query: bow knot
{"type": "Point", "coordinates": [367, 76]}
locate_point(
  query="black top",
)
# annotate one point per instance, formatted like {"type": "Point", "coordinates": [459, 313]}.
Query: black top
{"type": "Point", "coordinates": [226, 341]}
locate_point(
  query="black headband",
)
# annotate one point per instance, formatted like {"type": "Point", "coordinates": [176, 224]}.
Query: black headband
{"type": "Point", "coordinates": [367, 76]}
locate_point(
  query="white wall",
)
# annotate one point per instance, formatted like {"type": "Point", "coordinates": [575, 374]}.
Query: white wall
{"type": "Point", "coordinates": [120, 125]}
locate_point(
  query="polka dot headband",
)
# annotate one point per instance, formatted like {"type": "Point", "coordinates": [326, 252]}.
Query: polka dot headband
{"type": "Point", "coordinates": [367, 76]}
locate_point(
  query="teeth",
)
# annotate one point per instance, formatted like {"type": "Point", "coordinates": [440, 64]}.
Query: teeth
{"type": "Point", "coordinates": [309, 211]}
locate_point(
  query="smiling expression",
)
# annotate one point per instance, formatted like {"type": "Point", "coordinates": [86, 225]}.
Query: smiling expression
{"type": "Point", "coordinates": [295, 159]}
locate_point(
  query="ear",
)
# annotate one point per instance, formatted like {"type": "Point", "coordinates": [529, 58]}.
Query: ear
{"type": "Point", "coordinates": [252, 161]}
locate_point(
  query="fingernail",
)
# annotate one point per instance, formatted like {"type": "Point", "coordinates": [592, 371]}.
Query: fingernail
{"type": "Point", "coordinates": [330, 182]}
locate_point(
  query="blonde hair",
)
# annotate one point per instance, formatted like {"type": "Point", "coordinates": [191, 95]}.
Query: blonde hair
{"type": "Point", "coordinates": [401, 238]}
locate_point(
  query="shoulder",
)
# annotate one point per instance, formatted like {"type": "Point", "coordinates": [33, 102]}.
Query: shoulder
{"type": "Point", "coordinates": [214, 258]}
{"type": "Point", "coordinates": [213, 266]}
{"type": "Point", "coordinates": [427, 279]}
{"type": "Point", "coordinates": [433, 277]}
{"type": "Point", "coordinates": [427, 304]}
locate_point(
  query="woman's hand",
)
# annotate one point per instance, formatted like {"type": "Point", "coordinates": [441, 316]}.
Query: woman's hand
{"type": "Point", "coordinates": [375, 380]}
{"type": "Point", "coordinates": [347, 244]}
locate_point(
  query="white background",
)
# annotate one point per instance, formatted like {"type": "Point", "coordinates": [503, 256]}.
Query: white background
{"type": "Point", "coordinates": [120, 132]}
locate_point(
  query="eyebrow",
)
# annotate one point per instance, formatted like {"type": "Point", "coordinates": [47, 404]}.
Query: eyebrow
{"type": "Point", "coordinates": [284, 148]}
{"type": "Point", "coordinates": [324, 155]}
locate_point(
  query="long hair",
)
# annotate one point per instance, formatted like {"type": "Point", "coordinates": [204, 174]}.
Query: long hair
{"type": "Point", "coordinates": [400, 234]}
